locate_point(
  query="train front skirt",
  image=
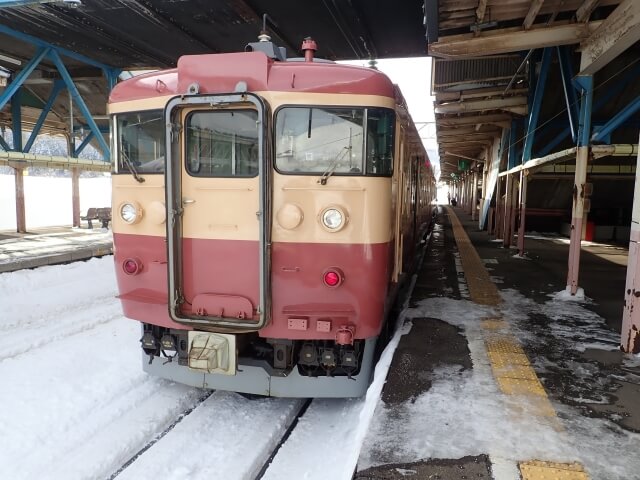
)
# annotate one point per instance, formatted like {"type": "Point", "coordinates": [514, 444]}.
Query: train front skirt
{"type": "Point", "coordinates": [258, 377]}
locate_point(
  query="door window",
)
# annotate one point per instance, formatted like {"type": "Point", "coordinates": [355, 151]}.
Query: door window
{"type": "Point", "coordinates": [222, 143]}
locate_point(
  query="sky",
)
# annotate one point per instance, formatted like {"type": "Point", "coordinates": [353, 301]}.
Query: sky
{"type": "Point", "coordinates": [413, 76]}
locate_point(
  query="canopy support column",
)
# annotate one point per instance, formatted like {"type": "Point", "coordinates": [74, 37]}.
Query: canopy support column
{"type": "Point", "coordinates": [499, 220]}
{"type": "Point", "coordinates": [524, 179]}
{"type": "Point", "coordinates": [582, 158]}
{"type": "Point", "coordinates": [75, 196]}
{"type": "Point", "coordinates": [21, 220]}
{"type": "Point", "coordinates": [508, 213]}
{"type": "Point", "coordinates": [630, 335]}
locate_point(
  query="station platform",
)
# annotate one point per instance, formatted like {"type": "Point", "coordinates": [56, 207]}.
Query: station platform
{"type": "Point", "coordinates": [500, 374]}
{"type": "Point", "coordinates": [50, 246]}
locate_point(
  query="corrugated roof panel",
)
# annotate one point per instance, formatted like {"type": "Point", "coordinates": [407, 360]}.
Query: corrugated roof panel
{"type": "Point", "coordinates": [478, 71]}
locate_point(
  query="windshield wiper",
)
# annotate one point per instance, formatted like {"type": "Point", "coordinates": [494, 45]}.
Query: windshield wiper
{"type": "Point", "coordinates": [133, 170]}
{"type": "Point", "coordinates": [332, 168]}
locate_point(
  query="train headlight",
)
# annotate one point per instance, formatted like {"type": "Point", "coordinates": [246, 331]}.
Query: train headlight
{"type": "Point", "coordinates": [333, 219]}
{"type": "Point", "coordinates": [130, 212]}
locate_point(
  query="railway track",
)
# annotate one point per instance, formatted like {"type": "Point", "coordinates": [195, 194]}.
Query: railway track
{"type": "Point", "coordinates": [282, 440]}
{"type": "Point", "coordinates": [159, 437]}
{"type": "Point", "coordinates": [205, 442]}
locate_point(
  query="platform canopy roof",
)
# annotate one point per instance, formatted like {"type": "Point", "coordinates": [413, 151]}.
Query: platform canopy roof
{"type": "Point", "coordinates": [155, 33]}
{"type": "Point", "coordinates": [485, 50]}
{"type": "Point", "coordinates": [98, 38]}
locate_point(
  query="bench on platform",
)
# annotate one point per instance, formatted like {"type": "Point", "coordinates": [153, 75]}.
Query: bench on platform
{"type": "Point", "coordinates": [101, 214]}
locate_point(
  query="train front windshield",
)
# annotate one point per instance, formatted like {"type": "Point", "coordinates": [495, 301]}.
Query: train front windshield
{"type": "Point", "coordinates": [318, 140]}
{"type": "Point", "coordinates": [140, 138]}
{"type": "Point", "coordinates": [309, 140]}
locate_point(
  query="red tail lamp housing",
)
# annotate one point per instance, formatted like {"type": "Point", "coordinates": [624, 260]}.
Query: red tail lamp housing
{"type": "Point", "coordinates": [132, 266]}
{"type": "Point", "coordinates": [333, 277]}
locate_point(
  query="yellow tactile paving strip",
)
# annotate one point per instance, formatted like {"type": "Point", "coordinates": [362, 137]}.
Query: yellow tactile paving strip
{"type": "Point", "coordinates": [481, 289]}
{"type": "Point", "coordinates": [511, 367]}
{"type": "Point", "coordinates": [553, 471]}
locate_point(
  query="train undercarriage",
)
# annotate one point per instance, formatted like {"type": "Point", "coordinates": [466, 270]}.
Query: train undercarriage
{"type": "Point", "coordinates": [273, 367]}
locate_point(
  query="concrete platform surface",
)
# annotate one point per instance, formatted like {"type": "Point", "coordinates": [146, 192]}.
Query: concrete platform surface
{"type": "Point", "coordinates": [497, 375]}
{"type": "Point", "coordinates": [50, 246]}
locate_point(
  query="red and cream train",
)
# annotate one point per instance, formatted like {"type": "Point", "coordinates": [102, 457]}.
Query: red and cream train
{"type": "Point", "coordinates": [265, 212]}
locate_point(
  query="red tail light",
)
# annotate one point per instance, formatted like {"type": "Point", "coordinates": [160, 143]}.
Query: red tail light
{"type": "Point", "coordinates": [332, 277]}
{"type": "Point", "coordinates": [131, 266]}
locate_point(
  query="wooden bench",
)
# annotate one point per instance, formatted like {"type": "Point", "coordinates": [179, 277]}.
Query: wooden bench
{"type": "Point", "coordinates": [101, 214]}
{"type": "Point", "coordinates": [104, 215]}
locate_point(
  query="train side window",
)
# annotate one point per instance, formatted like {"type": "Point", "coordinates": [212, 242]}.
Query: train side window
{"type": "Point", "coordinates": [380, 136]}
{"type": "Point", "coordinates": [141, 142]}
{"type": "Point", "coordinates": [222, 143]}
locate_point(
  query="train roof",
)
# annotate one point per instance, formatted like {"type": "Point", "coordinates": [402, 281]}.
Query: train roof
{"type": "Point", "coordinates": [220, 73]}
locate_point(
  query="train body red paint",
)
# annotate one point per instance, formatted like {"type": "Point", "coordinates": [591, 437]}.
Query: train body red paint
{"type": "Point", "coordinates": [266, 212]}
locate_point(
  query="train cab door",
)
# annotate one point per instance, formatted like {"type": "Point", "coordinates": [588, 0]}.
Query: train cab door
{"type": "Point", "coordinates": [218, 211]}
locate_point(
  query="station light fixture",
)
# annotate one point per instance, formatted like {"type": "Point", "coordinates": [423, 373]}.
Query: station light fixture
{"type": "Point", "coordinates": [7, 59]}
{"type": "Point", "coordinates": [4, 76]}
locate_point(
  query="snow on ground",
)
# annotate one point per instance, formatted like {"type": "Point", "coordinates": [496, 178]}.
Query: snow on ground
{"type": "Point", "coordinates": [75, 402]}
{"type": "Point", "coordinates": [464, 412]}
{"type": "Point", "coordinates": [566, 296]}
{"type": "Point", "coordinates": [77, 405]}
{"type": "Point", "coordinates": [337, 427]}
{"type": "Point", "coordinates": [569, 320]}
{"type": "Point", "coordinates": [27, 318]}
{"type": "Point", "coordinates": [48, 199]}
{"type": "Point", "coordinates": [226, 437]}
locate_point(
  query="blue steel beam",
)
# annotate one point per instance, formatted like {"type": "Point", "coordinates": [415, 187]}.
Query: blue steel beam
{"type": "Point", "coordinates": [73, 90]}
{"type": "Point", "coordinates": [570, 96]}
{"type": "Point", "coordinates": [534, 114]}
{"type": "Point", "coordinates": [22, 3]}
{"type": "Point", "coordinates": [617, 120]}
{"type": "Point", "coordinates": [603, 99]}
{"type": "Point", "coordinates": [58, 85]}
{"type": "Point", "coordinates": [41, 43]}
{"type": "Point", "coordinates": [535, 56]}
{"type": "Point", "coordinates": [84, 143]}
{"type": "Point", "coordinates": [111, 75]}
{"type": "Point", "coordinates": [22, 76]}
{"type": "Point", "coordinates": [586, 103]}
{"type": "Point", "coordinates": [512, 154]}
{"type": "Point", "coordinates": [3, 144]}
{"type": "Point", "coordinates": [16, 119]}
